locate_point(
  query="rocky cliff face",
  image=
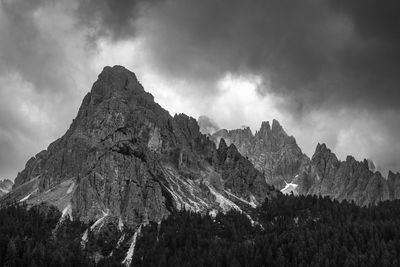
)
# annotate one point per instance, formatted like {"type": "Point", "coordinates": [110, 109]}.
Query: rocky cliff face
{"type": "Point", "coordinates": [270, 149]}
{"type": "Point", "coordinates": [350, 179]}
{"type": "Point", "coordinates": [125, 157]}
{"type": "Point", "coordinates": [278, 156]}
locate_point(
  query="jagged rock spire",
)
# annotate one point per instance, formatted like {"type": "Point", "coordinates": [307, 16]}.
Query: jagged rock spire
{"type": "Point", "coordinates": [265, 127]}
{"type": "Point", "coordinates": [222, 144]}
{"type": "Point", "coordinates": [277, 128]}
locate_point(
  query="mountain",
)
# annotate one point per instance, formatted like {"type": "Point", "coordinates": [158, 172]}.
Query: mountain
{"type": "Point", "coordinates": [125, 159]}
{"type": "Point", "coordinates": [5, 186]}
{"type": "Point", "coordinates": [350, 179]}
{"type": "Point", "coordinates": [278, 156]}
{"type": "Point", "coordinates": [272, 151]}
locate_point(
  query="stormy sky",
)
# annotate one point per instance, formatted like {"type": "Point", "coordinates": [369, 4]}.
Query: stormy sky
{"type": "Point", "coordinates": [328, 70]}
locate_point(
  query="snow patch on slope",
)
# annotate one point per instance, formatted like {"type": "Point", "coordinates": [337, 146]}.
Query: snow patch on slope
{"type": "Point", "coordinates": [224, 203]}
{"type": "Point", "coordinates": [128, 259]}
{"type": "Point", "coordinates": [71, 188]}
{"type": "Point", "coordinates": [99, 222]}
{"type": "Point", "coordinates": [290, 187]}
{"type": "Point", "coordinates": [189, 204]}
{"type": "Point", "coordinates": [251, 203]}
{"type": "Point", "coordinates": [184, 192]}
{"type": "Point", "coordinates": [84, 238]}
{"type": "Point", "coordinates": [67, 211]}
{"type": "Point", "coordinates": [28, 196]}
{"type": "Point", "coordinates": [121, 239]}
{"type": "Point", "coordinates": [25, 198]}
{"type": "Point", "coordinates": [120, 224]}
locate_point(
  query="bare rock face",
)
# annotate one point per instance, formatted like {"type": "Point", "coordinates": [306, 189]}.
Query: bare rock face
{"type": "Point", "coordinates": [271, 151]}
{"type": "Point", "coordinates": [278, 156]}
{"type": "Point", "coordinates": [124, 156]}
{"type": "Point", "coordinates": [234, 168]}
{"type": "Point", "coordinates": [343, 180]}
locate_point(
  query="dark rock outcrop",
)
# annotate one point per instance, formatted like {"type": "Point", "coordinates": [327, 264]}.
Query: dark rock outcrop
{"type": "Point", "coordinates": [124, 156]}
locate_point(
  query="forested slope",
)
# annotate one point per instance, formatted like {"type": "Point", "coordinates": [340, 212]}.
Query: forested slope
{"type": "Point", "coordinates": [285, 231]}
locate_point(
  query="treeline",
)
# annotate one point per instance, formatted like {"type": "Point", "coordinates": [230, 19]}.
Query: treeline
{"type": "Point", "coordinates": [285, 231]}
{"type": "Point", "coordinates": [292, 231]}
{"type": "Point", "coordinates": [33, 237]}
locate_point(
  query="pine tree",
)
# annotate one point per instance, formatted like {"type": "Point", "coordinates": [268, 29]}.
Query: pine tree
{"type": "Point", "coordinates": [11, 258]}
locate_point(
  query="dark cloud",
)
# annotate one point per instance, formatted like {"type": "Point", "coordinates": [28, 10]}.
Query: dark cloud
{"type": "Point", "coordinates": [37, 79]}
{"type": "Point", "coordinates": [24, 48]}
{"type": "Point", "coordinates": [373, 19]}
{"type": "Point", "coordinates": [371, 61]}
{"type": "Point", "coordinates": [313, 52]}
{"type": "Point", "coordinates": [110, 18]}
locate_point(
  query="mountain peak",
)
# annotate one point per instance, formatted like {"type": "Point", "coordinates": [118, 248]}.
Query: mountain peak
{"type": "Point", "coordinates": [265, 128]}
{"type": "Point", "coordinates": [118, 76]}
{"type": "Point", "coordinates": [222, 144]}
{"type": "Point", "coordinates": [276, 126]}
{"type": "Point", "coordinates": [117, 70]}
{"type": "Point", "coordinates": [321, 148]}
{"type": "Point", "coordinates": [350, 158]}
{"type": "Point", "coordinates": [323, 152]}
{"type": "Point", "coordinates": [115, 81]}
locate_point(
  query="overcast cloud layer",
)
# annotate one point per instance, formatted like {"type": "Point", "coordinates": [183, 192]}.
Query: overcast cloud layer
{"type": "Point", "coordinates": [328, 70]}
